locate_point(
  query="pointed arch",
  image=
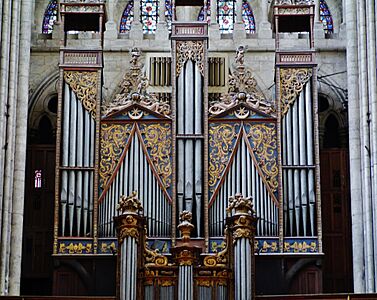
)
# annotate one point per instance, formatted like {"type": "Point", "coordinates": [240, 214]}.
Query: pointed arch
{"type": "Point", "coordinates": [50, 16]}
{"type": "Point", "coordinates": [326, 17]}
{"type": "Point", "coordinates": [248, 17]}
{"type": "Point", "coordinates": [127, 18]}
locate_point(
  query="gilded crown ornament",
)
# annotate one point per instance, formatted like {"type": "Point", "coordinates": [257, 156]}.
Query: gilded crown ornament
{"type": "Point", "coordinates": [240, 205]}
{"type": "Point", "coordinates": [185, 226]}
{"type": "Point", "coordinates": [134, 91]}
{"type": "Point", "coordinates": [130, 204]}
{"type": "Point", "coordinates": [243, 89]}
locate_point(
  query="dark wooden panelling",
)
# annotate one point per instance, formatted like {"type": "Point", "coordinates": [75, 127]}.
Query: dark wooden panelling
{"type": "Point", "coordinates": [337, 264]}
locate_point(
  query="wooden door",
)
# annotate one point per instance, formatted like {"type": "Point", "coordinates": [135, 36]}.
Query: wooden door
{"type": "Point", "coordinates": [38, 220]}
{"type": "Point", "coordinates": [336, 219]}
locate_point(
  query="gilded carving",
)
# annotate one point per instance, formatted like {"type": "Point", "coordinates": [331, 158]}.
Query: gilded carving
{"type": "Point", "coordinates": [75, 248]}
{"type": "Point", "coordinates": [185, 227]}
{"type": "Point", "coordinates": [84, 85]}
{"type": "Point", "coordinates": [243, 89]}
{"type": "Point", "coordinates": [240, 205]}
{"type": "Point", "coordinates": [130, 205]}
{"type": "Point", "coordinates": [185, 258]}
{"type": "Point", "coordinates": [300, 247]}
{"type": "Point", "coordinates": [134, 91]}
{"type": "Point", "coordinates": [153, 258]}
{"type": "Point", "coordinates": [157, 140]}
{"type": "Point", "coordinates": [263, 141]}
{"type": "Point", "coordinates": [114, 138]}
{"type": "Point", "coordinates": [292, 82]}
{"type": "Point", "coordinates": [190, 50]}
{"type": "Point", "coordinates": [219, 259]}
{"type": "Point", "coordinates": [222, 138]}
{"type": "Point", "coordinates": [108, 248]}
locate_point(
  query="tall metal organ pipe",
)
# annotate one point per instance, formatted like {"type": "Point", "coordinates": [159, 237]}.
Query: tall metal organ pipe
{"type": "Point", "coordinates": [76, 196]}
{"type": "Point", "coordinates": [190, 142]}
{"type": "Point", "coordinates": [298, 166]}
{"type": "Point", "coordinates": [243, 177]}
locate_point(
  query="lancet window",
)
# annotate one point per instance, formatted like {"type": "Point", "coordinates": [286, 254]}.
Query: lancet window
{"type": "Point", "coordinates": [248, 17]}
{"type": "Point", "coordinates": [168, 13]}
{"type": "Point", "coordinates": [50, 16]}
{"type": "Point", "coordinates": [127, 17]}
{"type": "Point", "coordinates": [226, 15]}
{"type": "Point", "coordinates": [325, 16]}
{"type": "Point", "coordinates": [149, 15]}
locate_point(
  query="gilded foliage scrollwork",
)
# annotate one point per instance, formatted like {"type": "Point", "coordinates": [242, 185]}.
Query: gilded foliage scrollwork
{"type": "Point", "coordinates": [114, 138]}
{"type": "Point", "coordinates": [263, 141]}
{"type": "Point", "coordinates": [190, 50]}
{"type": "Point", "coordinates": [157, 140]}
{"type": "Point", "coordinates": [222, 138]}
{"type": "Point", "coordinates": [84, 85]}
{"type": "Point", "coordinates": [292, 82]}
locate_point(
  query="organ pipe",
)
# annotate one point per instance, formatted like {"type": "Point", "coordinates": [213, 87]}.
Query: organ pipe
{"type": "Point", "coordinates": [243, 177]}
{"type": "Point", "coordinates": [135, 174]}
{"type": "Point", "coordinates": [76, 194]}
{"type": "Point", "coordinates": [298, 166]}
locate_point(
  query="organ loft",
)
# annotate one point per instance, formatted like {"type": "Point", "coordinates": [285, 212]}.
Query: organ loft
{"type": "Point", "coordinates": [187, 150]}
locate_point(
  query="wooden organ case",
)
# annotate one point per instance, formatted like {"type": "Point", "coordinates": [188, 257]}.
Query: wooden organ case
{"type": "Point", "coordinates": [237, 175]}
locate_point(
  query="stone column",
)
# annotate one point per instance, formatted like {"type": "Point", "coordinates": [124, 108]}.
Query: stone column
{"type": "Point", "coordinates": [162, 30]}
{"type": "Point", "coordinates": [239, 31]}
{"type": "Point", "coordinates": [20, 148]}
{"type": "Point", "coordinates": [129, 225]}
{"type": "Point", "coordinates": [136, 32]}
{"type": "Point", "coordinates": [214, 28]}
{"type": "Point", "coordinates": [355, 145]}
{"type": "Point", "coordinates": [264, 27]}
{"type": "Point", "coordinates": [318, 27]}
{"type": "Point", "coordinates": [111, 32]}
{"type": "Point", "coordinates": [242, 221]}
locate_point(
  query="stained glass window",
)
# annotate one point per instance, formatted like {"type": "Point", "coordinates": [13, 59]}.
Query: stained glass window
{"type": "Point", "coordinates": [225, 15]}
{"type": "Point", "coordinates": [50, 16]}
{"type": "Point", "coordinates": [168, 13]}
{"type": "Point", "coordinates": [127, 18]}
{"type": "Point", "coordinates": [325, 16]}
{"type": "Point", "coordinates": [149, 15]}
{"type": "Point", "coordinates": [201, 13]}
{"type": "Point", "coordinates": [248, 17]}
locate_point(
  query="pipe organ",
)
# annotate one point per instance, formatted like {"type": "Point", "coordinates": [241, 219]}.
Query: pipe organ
{"type": "Point", "coordinates": [222, 161]}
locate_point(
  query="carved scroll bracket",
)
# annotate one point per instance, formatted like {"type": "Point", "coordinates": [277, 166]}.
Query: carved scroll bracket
{"type": "Point", "coordinates": [292, 82]}
{"type": "Point", "coordinates": [84, 85]}
{"type": "Point", "coordinates": [190, 50]}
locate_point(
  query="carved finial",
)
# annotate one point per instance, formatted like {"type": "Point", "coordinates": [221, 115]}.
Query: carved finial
{"type": "Point", "coordinates": [240, 204]}
{"type": "Point", "coordinates": [135, 55]}
{"type": "Point", "coordinates": [185, 216]}
{"type": "Point", "coordinates": [185, 226]}
{"type": "Point", "coordinates": [130, 204]}
{"type": "Point", "coordinates": [240, 55]}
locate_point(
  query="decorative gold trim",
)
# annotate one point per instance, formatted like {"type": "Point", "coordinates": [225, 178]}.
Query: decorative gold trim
{"type": "Point", "coordinates": [130, 205]}
{"type": "Point", "coordinates": [114, 138]}
{"type": "Point", "coordinates": [157, 139]}
{"type": "Point", "coordinates": [84, 85]}
{"type": "Point", "coordinates": [153, 258]}
{"type": "Point", "coordinates": [292, 81]}
{"type": "Point", "coordinates": [220, 258]}
{"type": "Point", "coordinates": [190, 50]}
{"type": "Point", "coordinates": [134, 91]}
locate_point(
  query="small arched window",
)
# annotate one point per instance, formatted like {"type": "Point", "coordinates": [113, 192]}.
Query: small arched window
{"type": "Point", "coordinates": [149, 15]}
{"type": "Point", "coordinates": [202, 10]}
{"type": "Point", "coordinates": [127, 17]}
{"type": "Point", "coordinates": [325, 16]}
{"type": "Point", "coordinates": [226, 15]}
{"type": "Point", "coordinates": [168, 13]}
{"type": "Point", "coordinates": [248, 17]}
{"type": "Point", "coordinates": [50, 16]}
